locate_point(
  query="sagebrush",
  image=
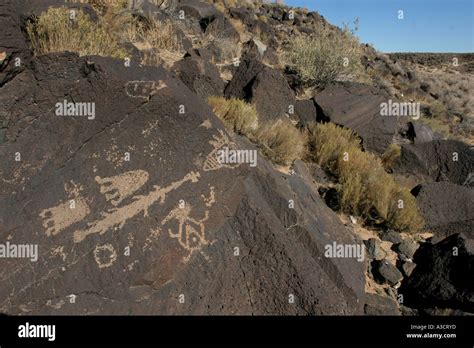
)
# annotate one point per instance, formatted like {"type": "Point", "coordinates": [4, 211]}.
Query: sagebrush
{"type": "Point", "coordinates": [61, 29]}
{"type": "Point", "coordinates": [365, 188]}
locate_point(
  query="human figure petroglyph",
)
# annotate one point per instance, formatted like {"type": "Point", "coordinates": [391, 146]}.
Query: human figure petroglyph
{"type": "Point", "coordinates": [119, 216]}
{"type": "Point", "coordinates": [191, 232]}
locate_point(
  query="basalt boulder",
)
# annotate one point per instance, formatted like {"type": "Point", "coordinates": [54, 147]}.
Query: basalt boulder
{"type": "Point", "coordinates": [199, 75]}
{"type": "Point", "coordinates": [443, 276]}
{"type": "Point", "coordinates": [132, 212]}
{"type": "Point", "coordinates": [358, 106]}
{"type": "Point", "coordinates": [447, 208]}
{"type": "Point", "coordinates": [438, 160]}
{"type": "Point", "coordinates": [263, 86]}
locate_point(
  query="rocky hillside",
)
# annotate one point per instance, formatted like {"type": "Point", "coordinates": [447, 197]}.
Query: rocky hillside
{"type": "Point", "coordinates": [226, 157]}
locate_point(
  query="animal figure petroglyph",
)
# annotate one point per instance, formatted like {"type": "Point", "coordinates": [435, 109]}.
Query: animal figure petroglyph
{"type": "Point", "coordinates": [119, 216]}
{"type": "Point", "coordinates": [218, 143]}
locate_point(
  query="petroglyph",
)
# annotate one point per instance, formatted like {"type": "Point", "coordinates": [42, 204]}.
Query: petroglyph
{"type": "Point", "coordinates": [211, 199]}
{"type": "Point", "coordinates": [154, 234]}
{"type": "Point", "coordinates": [219, 142]}
{"type": "Point", "coordinates": [59, 252]}
{"type": "Point", "coordinates": [151, 127]}
{"type": "Point", "coordinates": [58, 218]}
{"type": "Point", "coordinates": [206, 124]}
{"type": "Point", "coordinates": [105, 255]}
{"type": "Point", "coordinates": [117, 217]}
{"type": "Point", "coordinates": [191, 232]}
{"type": "Point", "coordinates": [143, 89]}
{"type": "Point", "coordinates": [119, 187]}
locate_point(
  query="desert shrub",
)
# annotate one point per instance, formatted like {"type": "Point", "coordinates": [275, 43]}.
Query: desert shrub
{"type": "Point", "coordinates": [280, 141]}
{"type": "Point", "coordinates": [237, 115]}
{"type": "Point", "coordinates": [364, 187]}
{"type": "Point", "coordinates": [391, 155]}
{"type": "Point", "coordinates": [327, 142]}
{"type": "Point", "coordinates": [159, 41]}
{"type": "Point", "coordinates": [324, 58]}
{"type": "Point", "coordinates": [55, 31]}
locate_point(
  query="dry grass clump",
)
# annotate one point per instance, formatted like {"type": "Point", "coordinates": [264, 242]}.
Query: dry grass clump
{"type": "Point", "coordinates": [237, 115]}
{"type": "Point", "coordinates": [391, 155]}
{"type": "Point", "coordinates": [60, 30]}
{"type": "Point", "coordinates": [365, 188]}
{"type": "Point", "coordinates": [158, 40]}
{"type": "Point", "coordinates": [154, 34]}
{"type": "Point", "coordinates": [324, 58]}
{"type": "Point", "coordinates": [280, 141]}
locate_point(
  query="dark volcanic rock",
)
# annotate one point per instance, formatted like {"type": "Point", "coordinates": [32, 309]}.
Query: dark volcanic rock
{"type": "Point", "coordinates": [439, 160]}
{"type": "Point", "coordinates": [407, 248]}
{"type": "Point", "coordinates": [391, 236]}
{"type": "Point", "coordinates": [374, 249]}
{"type": "Point", "coordinates": [239, 87]}
{"type": "Point", "coordinates": [380, 305]}
{"type": "Point", "coordinates": [199, 75]}
{"type": "Point", "coordinates": [265, 87]}
{"type": "Point", "coordinates": [140, 174]}
{"type": "Point", "coordinates": [271, 94]}
{"type": "Point", "coordinates": [305, 112]}
{"type": "Point", "coordinates": [408, 268]}
{"type": "Point", "coordinates": [420, 133]}
{"type": "Point", "coordinates": [207, 16]}
{"type": "Point", "coordinates": [443, 276]}
{"type": "Point", "coordinates": [357, 106]}
{"type": "Point", "coordinates": [447, 208]}
{"type": "Point", "coordinates": [385, 272]}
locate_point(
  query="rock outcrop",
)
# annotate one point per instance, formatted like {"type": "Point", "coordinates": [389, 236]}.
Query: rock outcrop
{"type": "Point", "coordinates": [438, 160]}
{"type": "Point", "coordinates": [443, 276]}
{"type": "Point", "coordinates": [357, 106]}
{"type": "Point", "coordinates": [132, 212]}
{"type": "Point", "coordinates": [447, 208]}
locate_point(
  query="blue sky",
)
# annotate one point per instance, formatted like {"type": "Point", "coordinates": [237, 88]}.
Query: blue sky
{"type": "Point", "coordinates": [428, 25]}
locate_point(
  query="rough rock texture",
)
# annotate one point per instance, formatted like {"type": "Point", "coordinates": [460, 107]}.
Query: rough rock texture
{"type": "Point", "coordinates": [447, 208]}
{"type": "Point", "coordinates": [141, 175]}
{"type": "Point", "coordinates": [357, 106]}
{"type": "Point", "coordinates": [407, 248]}
{"type": "Point", "coordinates": [199, 75]}
{"type": "Point", "coordinates": [443, 276]}
{"type": "Point", "coordinates": [420, 133]}
{"type": "Point", "coordinates": [380, 305]}
{"type": "Point", "coordinates": [439, 160]}
{"type": "Point", "coordinates": [385, 272]}
{"type": "Point", "coordinates": [265, 87]}
{"type": "Point", "coordinates": [374, 249]}
{"type": "Point", "coordinates": [391, 236]}
{"type": "Point", "coordinates": [242, 79]}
